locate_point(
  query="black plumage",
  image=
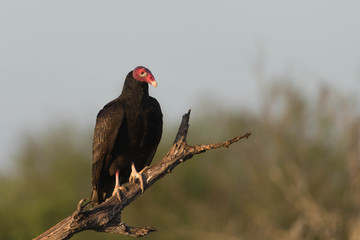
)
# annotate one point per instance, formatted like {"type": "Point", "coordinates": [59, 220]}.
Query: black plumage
{"type": "Point", "coordinates": [128, 129]}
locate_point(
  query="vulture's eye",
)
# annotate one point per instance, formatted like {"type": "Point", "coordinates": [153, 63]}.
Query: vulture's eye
{"type": "Point", "coordinates": [143, 73]}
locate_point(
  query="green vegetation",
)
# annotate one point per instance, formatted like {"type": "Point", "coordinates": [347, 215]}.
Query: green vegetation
{"type": "Point", "coordinates": [297, 177]}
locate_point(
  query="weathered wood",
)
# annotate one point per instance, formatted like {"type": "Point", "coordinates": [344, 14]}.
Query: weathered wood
{"type": "Point", "coordinates": [106, 217]}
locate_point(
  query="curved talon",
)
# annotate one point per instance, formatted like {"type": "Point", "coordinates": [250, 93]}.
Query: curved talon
{"type": "Point", "coordinates": [117, 191]}
{"type": "Point", "coordinates": [86, 204]}
{"type": "Point", "coordinates": [79, 207]}
{"type": "Point", "coordinates": [137, 175]}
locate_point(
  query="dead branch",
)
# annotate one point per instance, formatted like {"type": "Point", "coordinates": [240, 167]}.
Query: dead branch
{"type": "Point", "coordinates": [106, 217]}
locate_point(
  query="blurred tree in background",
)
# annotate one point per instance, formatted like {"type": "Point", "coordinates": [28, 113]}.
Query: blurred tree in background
{"type": "Point", "coordinates": [297, 177]}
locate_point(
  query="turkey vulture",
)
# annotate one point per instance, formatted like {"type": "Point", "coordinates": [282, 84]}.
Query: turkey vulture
{"type": "Point", "coordinates": [127, 133]}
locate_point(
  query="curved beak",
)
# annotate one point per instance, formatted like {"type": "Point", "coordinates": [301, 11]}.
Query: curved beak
{"type": "Point", "coordinates": [154, 83]}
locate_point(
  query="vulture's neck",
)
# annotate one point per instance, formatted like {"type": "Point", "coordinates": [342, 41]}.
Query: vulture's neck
{"type": "Point", "coordinates": [134, 89]}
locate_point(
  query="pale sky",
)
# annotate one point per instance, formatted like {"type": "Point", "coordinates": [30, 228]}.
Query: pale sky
{"type": "Point", "coordinates": [64, 60]}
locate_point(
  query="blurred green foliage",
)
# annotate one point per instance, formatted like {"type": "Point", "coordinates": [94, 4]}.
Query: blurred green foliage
{"type": "Point", "coordinates": [297, 177]}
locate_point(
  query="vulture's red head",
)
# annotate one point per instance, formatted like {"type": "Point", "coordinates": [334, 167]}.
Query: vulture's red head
{"type": "Point", "coordinates": [143, 74]}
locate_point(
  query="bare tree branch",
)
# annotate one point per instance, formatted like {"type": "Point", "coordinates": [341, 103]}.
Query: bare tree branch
{"type": "Point", "coordinates": [106, 217]}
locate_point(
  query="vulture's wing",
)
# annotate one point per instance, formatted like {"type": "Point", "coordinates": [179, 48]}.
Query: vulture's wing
{"type": "Point", "coordinates": [108, 123]}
